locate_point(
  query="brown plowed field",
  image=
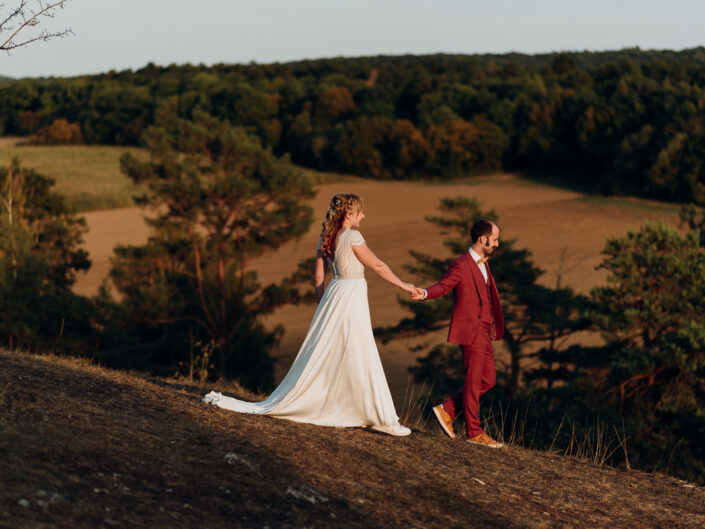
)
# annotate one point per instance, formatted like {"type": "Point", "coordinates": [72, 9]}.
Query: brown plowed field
{"type": "Point", "coordinates": [548, 221]}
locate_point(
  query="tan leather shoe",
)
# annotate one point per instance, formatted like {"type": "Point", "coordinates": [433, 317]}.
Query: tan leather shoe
{"type": "Point", "coordinates": [485, 440]}
{"type": "Point", "coordinates": [444, 420]}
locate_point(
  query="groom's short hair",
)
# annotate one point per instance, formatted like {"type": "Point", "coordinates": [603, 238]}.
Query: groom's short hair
{"type": "Point", "coordinates": [479, 228]}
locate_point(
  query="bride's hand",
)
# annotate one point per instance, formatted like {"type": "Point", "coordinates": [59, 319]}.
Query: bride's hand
{"type": "Point", "coordinates": [408, 287]}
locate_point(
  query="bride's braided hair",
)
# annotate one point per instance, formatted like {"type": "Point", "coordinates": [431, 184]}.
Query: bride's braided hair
{"type": "Point", "coordinates": [340, 205]}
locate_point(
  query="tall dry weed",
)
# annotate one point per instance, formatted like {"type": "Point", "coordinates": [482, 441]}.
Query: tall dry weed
{"type": "Point", "coordinates": [414, 408]}
{"type": "Point", "coordinates": [3, 392]}
{"type": "Point", "coordinates": [508, 427]}
{"type": "Point", "coordinates": [200, 365]}
{"type": "Point", "coordinates": [597, 444]}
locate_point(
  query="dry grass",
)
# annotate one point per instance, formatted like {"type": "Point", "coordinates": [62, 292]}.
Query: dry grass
{"type": "Point", "coordinates": [81, 446]}
{"type": "Point", "coordinates": [596, 444]}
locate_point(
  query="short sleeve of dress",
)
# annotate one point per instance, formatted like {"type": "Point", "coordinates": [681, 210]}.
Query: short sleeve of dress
{"type": "Point", "coordinates": [356, 238]}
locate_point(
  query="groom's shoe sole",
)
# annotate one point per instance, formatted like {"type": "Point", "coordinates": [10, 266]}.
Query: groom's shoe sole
{"type": "Point", "coordinates": [444, 420]}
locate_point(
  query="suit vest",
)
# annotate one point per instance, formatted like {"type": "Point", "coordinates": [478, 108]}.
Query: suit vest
{"type": "Point", "coordinates": [485, 298]}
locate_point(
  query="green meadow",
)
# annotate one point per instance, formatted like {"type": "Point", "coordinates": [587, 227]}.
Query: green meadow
{"type": "Point", "coordinates": [89, 176]}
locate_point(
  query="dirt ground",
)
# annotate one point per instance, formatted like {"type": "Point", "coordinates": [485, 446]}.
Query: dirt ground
{"type": "Point", "coordinates": [85, 447]}
{"type": "Point", "coordinates": [562, 229]}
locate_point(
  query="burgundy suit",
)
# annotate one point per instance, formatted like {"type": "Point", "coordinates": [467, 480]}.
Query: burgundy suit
{"type": "Point", "coordinates": [476, 305]}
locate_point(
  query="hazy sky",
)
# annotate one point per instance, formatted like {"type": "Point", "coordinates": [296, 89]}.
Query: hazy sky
{"type": "Point", "coordinates": [120, 34]}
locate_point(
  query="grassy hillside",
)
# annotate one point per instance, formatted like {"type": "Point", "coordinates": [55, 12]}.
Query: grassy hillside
{"type": "Point", "coordinates": [89, 176]}
{"type": "Point", "coordinates": [82, 446]}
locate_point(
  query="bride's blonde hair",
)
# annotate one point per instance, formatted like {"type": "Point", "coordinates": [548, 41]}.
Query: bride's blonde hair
{"type": "Point", "coordinates": [340, 205]}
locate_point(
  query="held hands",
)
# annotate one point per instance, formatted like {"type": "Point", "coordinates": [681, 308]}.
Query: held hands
{"type": "Point", "coordinates": [418, 294]}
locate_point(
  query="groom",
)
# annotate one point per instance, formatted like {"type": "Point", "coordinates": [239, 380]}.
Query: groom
{"type": "Point", "coordinates": [477, 319]}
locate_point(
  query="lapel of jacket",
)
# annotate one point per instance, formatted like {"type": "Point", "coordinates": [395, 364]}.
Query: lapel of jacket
{"type": "Point", "coordinates": [476, 274]}
{"type": "Point", "coordinates": [490, 277]}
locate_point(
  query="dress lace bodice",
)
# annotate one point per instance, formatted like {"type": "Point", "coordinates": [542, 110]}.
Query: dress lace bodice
{"type": "Point", "coordinates": [346, 264]}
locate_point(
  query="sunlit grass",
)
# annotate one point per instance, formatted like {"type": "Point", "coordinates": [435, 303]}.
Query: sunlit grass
{"type": "Point", "coordinates": [633, 204]}
{"type": "Point", "coordinates": [323, 177]}
{"type": "Point", "coordinates": [88, 175]}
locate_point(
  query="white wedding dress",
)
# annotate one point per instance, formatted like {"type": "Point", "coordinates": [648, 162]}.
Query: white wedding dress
{"type": "Point", "coordinates": [337, 377]}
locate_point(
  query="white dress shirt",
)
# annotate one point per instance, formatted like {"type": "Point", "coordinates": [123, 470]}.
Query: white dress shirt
{"type": "Point", "coordinates": [482, 266]}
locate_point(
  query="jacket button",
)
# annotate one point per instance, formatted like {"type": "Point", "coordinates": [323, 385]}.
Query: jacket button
{"type": "Point", "coordinates": [478, 316]}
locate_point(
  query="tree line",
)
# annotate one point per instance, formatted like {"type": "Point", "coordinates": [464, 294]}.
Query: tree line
{"type": "Point", "coordinates": [625, 122]}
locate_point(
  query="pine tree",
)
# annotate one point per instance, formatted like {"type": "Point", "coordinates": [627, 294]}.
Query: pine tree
{"type": "Point", "coordinates": [218, 200]}
{"type": "Point", "coordinates": [40, 255]}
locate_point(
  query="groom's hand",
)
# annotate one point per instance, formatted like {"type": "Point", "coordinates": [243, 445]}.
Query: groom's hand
{"type": "Point", "coordinates": [418, 294]}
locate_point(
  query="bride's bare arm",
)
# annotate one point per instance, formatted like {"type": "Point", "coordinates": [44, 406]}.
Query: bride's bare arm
{"type": "Point", "coordinates": [371, 261]}
{"type": "Point", "coordinates": [319, 276]}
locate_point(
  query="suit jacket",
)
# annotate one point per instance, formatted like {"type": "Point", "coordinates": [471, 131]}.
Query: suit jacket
{"type": "Point", "coordinates": [471, 299]}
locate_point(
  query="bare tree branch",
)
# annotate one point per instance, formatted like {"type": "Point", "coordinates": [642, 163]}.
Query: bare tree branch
{"type": "Point", "coordinates": [15, 12]}
{"type": "Point", "coordinates": [22, 17]}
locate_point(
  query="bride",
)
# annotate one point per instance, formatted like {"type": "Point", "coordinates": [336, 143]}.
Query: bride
{"type": "Point", "coordinates": [337, 377]}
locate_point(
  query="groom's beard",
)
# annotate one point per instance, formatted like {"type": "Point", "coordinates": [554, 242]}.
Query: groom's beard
{"type": "Point", "coordinates": [487, 250]}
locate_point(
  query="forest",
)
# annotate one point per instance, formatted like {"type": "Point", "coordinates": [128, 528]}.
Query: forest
{"type": "Point", "coordinates": [622, 122]}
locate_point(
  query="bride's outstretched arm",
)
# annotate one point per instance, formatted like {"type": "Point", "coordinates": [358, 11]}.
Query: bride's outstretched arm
{"type": "Point", "coordinates": [319, 276]}
{"type": "Point", "coordinates": [371, 261]}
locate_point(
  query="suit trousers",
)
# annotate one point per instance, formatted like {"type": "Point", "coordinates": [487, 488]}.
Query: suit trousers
{"type": "Point", "coordinates": [480, 377]}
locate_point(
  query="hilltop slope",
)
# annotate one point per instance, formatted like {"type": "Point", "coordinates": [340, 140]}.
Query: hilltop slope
{"type": "Point", "coordinates": [82, 446]}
